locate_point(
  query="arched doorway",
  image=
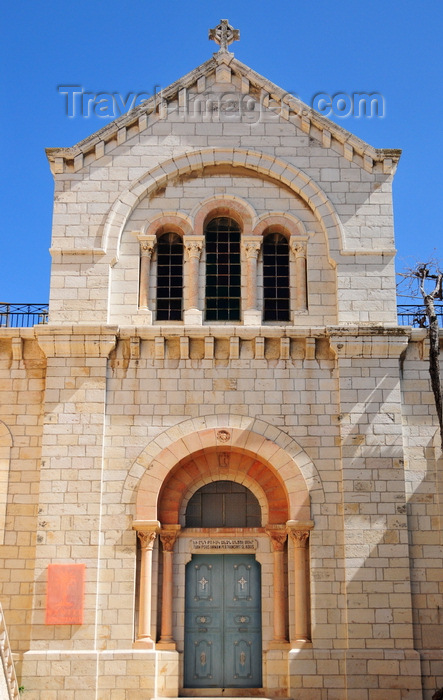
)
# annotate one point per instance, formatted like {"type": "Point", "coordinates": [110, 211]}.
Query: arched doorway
{"type": "Point", "coordinates": [231, 508]}
{"type": "Point", "coordinates": [176, 484]}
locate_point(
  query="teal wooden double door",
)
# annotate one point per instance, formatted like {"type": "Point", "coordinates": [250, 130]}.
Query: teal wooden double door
{"type": "Point", "coordinates": [223, 622]}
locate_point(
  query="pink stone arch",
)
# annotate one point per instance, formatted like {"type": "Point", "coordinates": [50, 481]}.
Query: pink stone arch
{"type": "Point", "coordinates": [225, 205]}
{"type": "Point", "coordinates": [282, 222]}
{"type": "Point", "coordinates": [169, 221]}
{"type": "Point", "coordinates": [167, 477]}
{"type": "Point", "coordinates": [204, 466]}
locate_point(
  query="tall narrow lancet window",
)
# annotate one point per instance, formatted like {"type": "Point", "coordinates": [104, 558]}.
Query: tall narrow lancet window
{"type": "Point", "coordinates": [223, 273]}
{"type": "Point", "coordinates": [276, 299]}
{"type": "Point", "coordinates": [169, 277]}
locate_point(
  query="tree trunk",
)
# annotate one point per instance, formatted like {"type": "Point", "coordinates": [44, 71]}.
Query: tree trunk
{"type": "Point", "coordinates": [434, 351]}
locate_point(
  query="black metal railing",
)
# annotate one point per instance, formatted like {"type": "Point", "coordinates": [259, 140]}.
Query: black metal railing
{"type": "Point", "coordinates": [22, 315]}
{"type": "Point", "coordinates": [415, 315]}
{"type": "Point", "coordinates": [27, 315]}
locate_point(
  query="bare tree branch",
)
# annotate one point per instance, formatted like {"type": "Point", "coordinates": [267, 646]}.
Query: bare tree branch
{"type": "Point", "coordinates": [418, 277]}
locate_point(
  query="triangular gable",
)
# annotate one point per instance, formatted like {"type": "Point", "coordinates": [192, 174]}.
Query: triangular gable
{"type": "Point", "coordinates": [224, 66]}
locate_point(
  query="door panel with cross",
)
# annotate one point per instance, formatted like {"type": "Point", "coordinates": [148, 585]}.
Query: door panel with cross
{"type": "Point", "coordinates": [223, 622]}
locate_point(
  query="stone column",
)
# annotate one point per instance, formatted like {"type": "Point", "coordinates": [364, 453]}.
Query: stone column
{"type": "Point", "coordinates": [278, 539]}
{"type": "Point", "coordinates": [301, 602]}
{"type": "Point", "coordinates": [167, 537]}
{"type": "Point", "coordinates": [251, 246]}
{"type": "Point", "coordinates": [299, 250]}
{"type": "Point", "coordinates": [194, 246]}
{"type": "Point", "coordinates": [147, 537]}
{"type": "Point", "coordinates": [147, 244]}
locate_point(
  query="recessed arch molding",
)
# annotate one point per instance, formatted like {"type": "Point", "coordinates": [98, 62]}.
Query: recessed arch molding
{"type": "Point", "coordinates": [183, 458]}
{"type": "Point", "coordinates": [280, 171]}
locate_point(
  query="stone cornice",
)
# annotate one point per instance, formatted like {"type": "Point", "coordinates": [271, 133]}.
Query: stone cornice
{"type": "Point", "coordinates": [310, 122]}
{"type": "Point", "coordinates": [76, 341]}
{"type": "Point", "coordinates": [248, 333]}
{"type": "Point", "coordinates": [305, 114]}
{"type": "Point", "coordinates": [219, 331]}
{"type": "Point", "coordinates": [96, 340]}
{"type": "Point", "coordinates": [95, 145]}
{"type": "Point", "coordinates": [380, 345]}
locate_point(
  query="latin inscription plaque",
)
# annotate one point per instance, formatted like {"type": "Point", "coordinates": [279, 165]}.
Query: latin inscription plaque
{"type": "Point", "coordinates": [225, 544]}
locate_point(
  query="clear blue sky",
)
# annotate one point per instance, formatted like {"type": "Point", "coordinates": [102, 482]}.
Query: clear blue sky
{"type": "Point", "coordinates": [392, 47]}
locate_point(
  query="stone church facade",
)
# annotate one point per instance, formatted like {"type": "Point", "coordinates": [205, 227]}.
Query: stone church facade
{"type": "Point", "coordinates": [221, 471]}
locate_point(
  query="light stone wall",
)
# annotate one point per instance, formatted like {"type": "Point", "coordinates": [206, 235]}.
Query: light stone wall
{"type": "Point", "coordinates": [375, 518]}
{"type": "Point", "coordinates": [22, 383]}
{"type": "Point", "coordinates": [90, 400]}
{"type": "Point", "coordinates": [423, 464]}
{"type": "Point", "coordinates": [88, 201]}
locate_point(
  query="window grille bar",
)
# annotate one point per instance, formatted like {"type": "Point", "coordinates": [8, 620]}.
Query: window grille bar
{"type": "Point", "coordinates": [169, 277]}
{"type": "Point", "coordinates": [223, 271]}
{"type": "Point", "coordinates": [276, 278]}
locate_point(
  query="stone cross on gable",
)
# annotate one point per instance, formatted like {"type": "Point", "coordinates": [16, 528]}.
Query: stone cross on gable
{"type": "Point", "coordinates": [224, 35]}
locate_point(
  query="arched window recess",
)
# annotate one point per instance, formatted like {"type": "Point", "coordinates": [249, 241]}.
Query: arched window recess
{"type": "Point", "coordinates": [169, 277]}
{"type": "Point", "coordinates": [251, 276]}
{"type": "Point", "coordinates": [276, 277]}
{"type": "Point", "coordinates": [223, 504]}
{"type": "Point", "coordinates": [161, 281]}
{"type": "Point", "coordinates": [161, 269]}
{"type": "Point", "coordinates": [223, 269]}
{"type": "Point", "coordinates": [282, 268]}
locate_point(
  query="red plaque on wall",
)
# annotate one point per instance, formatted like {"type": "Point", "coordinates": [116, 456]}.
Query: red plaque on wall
{"type": "Point", "coordinates": [64, 599]}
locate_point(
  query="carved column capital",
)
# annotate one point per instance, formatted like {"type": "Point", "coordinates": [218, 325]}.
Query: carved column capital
{"type": "Point", "coordinates": [168, 538]}
{"type": "Point", "coordinates": [147, 539]}
{"type": "Point", "coordinates": [299, 537]}
{"type": "Point", "coordinates": [278, 539]}
{"type": "Point", "coordinates": [251, 246]}
{"type": "Point", "coordinates": [193, 245]}
{"type": "Point", "coordinates": [298, 247]}
{"type": "Point", "coordinates": [147, 245]}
